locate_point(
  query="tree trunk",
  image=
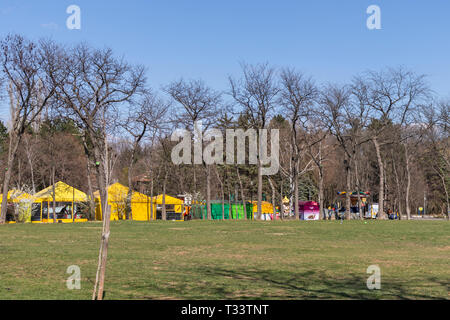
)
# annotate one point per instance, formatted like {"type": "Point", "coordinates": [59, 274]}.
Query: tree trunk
{"type": "Point", "coordinates": [349, 190]}
{"type": "Point", "coordinates": [399, 193]}
{"type": "Point", "coordinates": [381, 186]}
{"type": "Point", "coordinates": [54, 193]}
{"type": "Point", "coordinates": [102, 180]}
{"type": "Point", "coordinates": [129, 211]}
{"type": "Point", "coordinates": [281, 200]}
{"type": "Point", "coordinates": [408, 184]}
{"type": "Point", "coordinates": [229, 206]}
{"type": "Point", "coordinates": [274, 215]}
{"type": "Point", "coordinates": [7, 178]}
{"type": "Point", "coordinates": [442, 176]}
{"type": "Point", "coordinates": [260, 182]}
{"type": "Point", "coordinates": [163, 210]}
{"type": "Point", "coordinates": [90, 191]}
{"type": "Point", "coordinates": [151, 195]}
{"type": "Point", "coordinates": [30, 162]}
{"type": "Point", "coordinates": [296, 200]}
{"type": "Point", "coordinates": [89, 173]}
{"type": "Point", "coordinates": [208, 191]}
{"type": "Point", "coordinates": [221, 191]}
{"type": "Point", "coordinates": [6, 181]}
{"type": "Point", "coordinates": [106, 216]}
{"type": "Point", "coordinates": [242, 192]}
{"type": "Point", "coordinates": [321, 197]}
{"type": "Point", "coordinates": [358, 190]}
{"type": "Point", "coordinates": [236, 200]}
{"type": "Point", "coordinates": [223, 205]}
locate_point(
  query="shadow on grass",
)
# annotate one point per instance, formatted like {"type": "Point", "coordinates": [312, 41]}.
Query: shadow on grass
{"type": "Point", "coordinates": [219, 283]}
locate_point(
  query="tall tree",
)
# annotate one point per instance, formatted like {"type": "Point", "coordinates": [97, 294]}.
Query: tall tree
{"type": "Point", "coordinates": [347, 122]}
{"type": "Point", "coordinates": [199, 105]}
{"type": "Point", "coordinates": [297, 96]}
{"type": "Point", "coordinates": [255, 94]}
{"type": "Point", "coordinates": [92, 84]}
{"type": "Point", "coordinates": [391, 95]}
{"type": "Point", "coordinates": [24, 66]}
{"type": "Point", "coordinates": [144, 116]}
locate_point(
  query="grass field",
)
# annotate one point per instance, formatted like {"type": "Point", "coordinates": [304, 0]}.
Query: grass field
{"type": "Point", "coordinates": [229, 260]}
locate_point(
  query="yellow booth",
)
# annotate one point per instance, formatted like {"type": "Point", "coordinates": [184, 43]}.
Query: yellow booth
{"type": "Point", "coordinates": [174, 207]}
{"type": "Point", "coordinates": [19, 206]}
{"type": "Point", "coordinates": [71, 205]}
{"type": "Point", "coordinates": [117, 200]}
{"type": "Point", "coordinates": [266, 209]}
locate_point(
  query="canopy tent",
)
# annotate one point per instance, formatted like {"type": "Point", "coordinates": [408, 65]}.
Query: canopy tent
{"type": "Point", "coordinates": [20, 203]}
{"type": "Point", "coordinates": [174, 207]}
{"type": "Point", "coordinates": [364, 196]}
{"type": "Point", "coordinates": [69, 204]}
{"type": "Point", "coordinates": [354, 196]}
{"type": "Point", "coordinates": [117, 200]}
{"type": "Point", "coordinates": [17, 196]}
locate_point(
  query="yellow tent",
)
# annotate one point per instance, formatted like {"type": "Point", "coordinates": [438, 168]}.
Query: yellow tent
{"type": "Point", "coordinates": [117, 200]}
{"type": "Point", "coordinates": [24, 200]}
{"type": "Point", "coordinates": [16, 196]}
{"type": "Point", "coordinates": [63, 193]}
{"type": "Point", "coordinates": [178, 203]}
{"type": "Point", "coordinates": [174, 206]}
{"type": "Point", "coordinates": [266, 207]}
{"type": "Point", "coordinates": [68, 204]}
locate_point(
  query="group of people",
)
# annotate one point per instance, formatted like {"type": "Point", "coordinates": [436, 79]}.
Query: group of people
{"type": "Point", "coordinates": [338, 213]}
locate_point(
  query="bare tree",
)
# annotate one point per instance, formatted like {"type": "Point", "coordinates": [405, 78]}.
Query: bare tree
{"type": "Point", "coordinates": [346, 121]}
{"type": "Point", "coordinates": [391, 95]}
{"type": "Point", "coordinates": [297, 96]}
{"type": "Point", "coordinates": [199, 104]}
{"type": "Point", "coordinates": [437, 139]}
{"type": "Point", "coordinates": [255, 93]}
{"type": "Point", "coordinates": [23, 64]}
{"type": "Point", "coordinates": [145, 116]}
{"type": "Point", "coordinates": [92, 84]}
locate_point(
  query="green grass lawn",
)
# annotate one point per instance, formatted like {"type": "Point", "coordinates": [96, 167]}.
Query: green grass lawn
{"type": "Point", "coordinates": [229, 260]}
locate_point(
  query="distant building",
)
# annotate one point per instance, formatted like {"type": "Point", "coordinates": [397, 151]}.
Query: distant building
{"type": "Point", "coordinates": [142, 183]}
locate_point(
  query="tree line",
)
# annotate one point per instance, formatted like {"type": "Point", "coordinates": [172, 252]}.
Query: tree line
{"type": "Point", "coordinates": [85, 116]}
{"type": "Point", "coordinates": [88, 117]}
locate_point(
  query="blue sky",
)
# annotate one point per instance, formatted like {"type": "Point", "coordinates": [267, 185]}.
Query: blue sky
{"type": "Point", "coordinates": [327, 39]}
